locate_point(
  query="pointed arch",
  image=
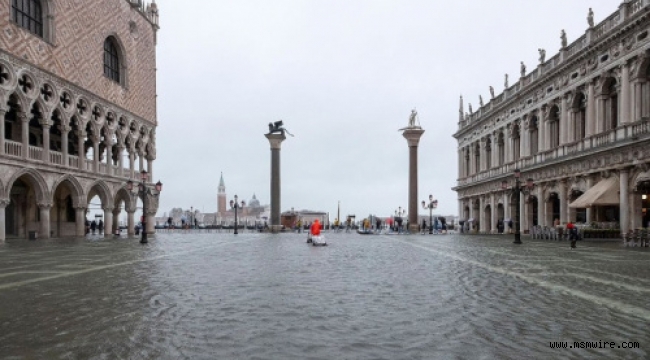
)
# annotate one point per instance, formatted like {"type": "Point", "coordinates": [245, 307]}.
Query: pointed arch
{"type": "Point", "coordinates": [101, 189]}
{"type": "Point", "coordinates": [75, 186]}
{"type": "Point", "coordinates": [36, 180]}
{"type": "Point", "coordinates": [123, 194]}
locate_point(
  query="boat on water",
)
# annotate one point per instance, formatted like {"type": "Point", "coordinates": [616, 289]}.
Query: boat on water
{"type": "Point", "coordinates": [318, 240]}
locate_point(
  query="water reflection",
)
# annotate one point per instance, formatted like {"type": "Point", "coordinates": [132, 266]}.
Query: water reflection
{"type": "Point", "coordinates": [258, 296]}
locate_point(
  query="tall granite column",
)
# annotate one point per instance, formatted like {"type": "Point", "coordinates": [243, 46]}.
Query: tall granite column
{"type": "Point", "coordinates": [412, 136]}
{"type": "Point", "coordinates": [3, 204]}
{"type": "Point", "coordinates": [276, 141]}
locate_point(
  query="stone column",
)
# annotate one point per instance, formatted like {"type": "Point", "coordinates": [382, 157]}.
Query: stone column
{"type": "Point", "coordinates": [109, 158]}
{"type": "Point", "coordinates": [108, 221]}
{"type": "Point", "coordinates": [637, 101]}
{"type": "Point", "coordinates": [82, 152]}
{"type": "Point", "coordinates": [541, 207]}
{"type": "Point", "coordinates": [563, 201]}
{"type": "Point", "coordinates": [564, 121]}
{"type": "Point", "coordinates": [3, 112]}
{"type": "Point", "coordinates": [493, 213]}
{"type": "Point", "coordinates": [524, 219]}
{"type": "Point", "coordinates": [116, 220]}
{"type": "Point", "coordinates": [80, 221]}
{"type": "Point", "coordinates": [624, 196]}
{"type": "Point", "coordinates": [471, 161]}
{"type": "Point", "coordinates": [132, 163]}
{"type": "Point", "coordinates": [64, 144]}
{"type": "Point", "coordinates": [120, 162]}
{"type": "Point", "coordinates": [506, 208]}
{"type": "Point", "coordinates": [44, 210]}
{"type": "Point", "coordinates": [625, 95]}
{"type": "Point", "coordinates": [46, 143]}
{"type": "Point", "coordinates": [25, 133]}
{"type": "Point", "coordinates": [275, 140]}
{"type": "Point", "coordinates": [130, 221]}
{"type": "Point", "coordinates": [412, 136]}
{"type": "Point", "coordinates": [460, 163]}
{"type": "Point", "coordinates": [591, 111]}
{"type": "Point", "coordinates": [3, 204]}
{"type": "Point", "coordinates": [601, 114]}
{"type": "Point", "coordinates": [140, 160]}
{"type": "Point", "coordinates": [150, 169]}
{"type": "Point", "coordinates": [590, 183]}
{"type": "Point", "coordinates": [481, 214]}
{"type": "Point", "coordinates": [507, 143]}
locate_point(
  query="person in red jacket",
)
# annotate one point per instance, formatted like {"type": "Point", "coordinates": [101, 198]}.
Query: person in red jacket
{"type": "Point", "coordinates": [315, 228]}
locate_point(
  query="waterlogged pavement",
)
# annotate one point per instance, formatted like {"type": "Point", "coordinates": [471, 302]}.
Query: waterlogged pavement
{"type": "Point", "coordinates": [262, 296]}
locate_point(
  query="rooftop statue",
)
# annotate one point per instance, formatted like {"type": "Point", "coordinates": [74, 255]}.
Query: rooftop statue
{"type": "Point", "coordinates": [480, 100]}
{"type": "Point", "coordinates": [523, 69]}
{"type": "Point", "coordinates": [542, 55]}
{"type": "Point", "coordinates": [506, 82]}
{"type": "Point", "coordinates": [590, 18]}
{"type": "Point", "coordinates": [492, 92]}
{"type": "Point", "coordinates": [563, 38]}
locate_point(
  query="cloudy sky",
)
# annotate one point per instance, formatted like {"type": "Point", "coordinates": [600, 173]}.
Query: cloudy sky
{"type": "Point", "coordinates": [344, 76]}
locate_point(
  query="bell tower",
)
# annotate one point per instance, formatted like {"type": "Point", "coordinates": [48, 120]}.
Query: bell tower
{"type": "Point", "coordinates": [221, 197]}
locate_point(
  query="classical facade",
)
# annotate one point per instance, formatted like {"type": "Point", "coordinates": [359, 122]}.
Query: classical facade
{"type": "Point", "coordinates": [78, 103]}
{"type": "Point", "coordinates": [578, 125]}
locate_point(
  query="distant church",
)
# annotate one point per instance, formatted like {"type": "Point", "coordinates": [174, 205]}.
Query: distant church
{"type": "Point", "coordinates": [251, 212]}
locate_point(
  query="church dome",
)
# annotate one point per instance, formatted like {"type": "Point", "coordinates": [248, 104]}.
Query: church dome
{"type": "Point", "coordinates": [254, 202]}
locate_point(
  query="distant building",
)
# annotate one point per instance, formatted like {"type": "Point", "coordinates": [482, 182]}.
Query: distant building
{"type": "Point", "coordinates": [290, 218]}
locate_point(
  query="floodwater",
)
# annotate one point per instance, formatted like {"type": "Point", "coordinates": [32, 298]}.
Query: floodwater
{"type": "Point", "coordinates": [263, 296]}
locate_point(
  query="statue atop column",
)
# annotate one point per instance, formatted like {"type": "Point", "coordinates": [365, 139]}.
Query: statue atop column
{"type": "Point", "coordinates": [277, 127]}
{"type": "Point", "coordinates": [414, 122]}
{"type": "Point", "coordinates": [590, 18]}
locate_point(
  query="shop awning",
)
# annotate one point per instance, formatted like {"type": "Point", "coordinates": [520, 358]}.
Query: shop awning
{"type": "Point", "coordinates": [606, 192]}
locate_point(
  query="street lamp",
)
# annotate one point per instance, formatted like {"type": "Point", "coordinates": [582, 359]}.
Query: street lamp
{"type": "Point", "coordinates": [235, 205]}
{"type": "Point", "coordinates": [432, 205]}
{"type": "Point", "coordinates": [398, 217]}
{"type": "Point", "coordinates": [526, 190]}
{"type": "Point", "coordinates": [143, 191]}
{"type": "Point", "coordinates": [191, 217]}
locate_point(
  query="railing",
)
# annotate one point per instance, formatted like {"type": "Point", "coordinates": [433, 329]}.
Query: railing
{"type": "Point", "coordinates": [102, 168]}
{"type": "Point", "coordinates": [642, 127]}
{"type": "Point", "coordinates": [35, 153]}
{"type": "Point", "coordinates": [635, 6]}
{"type": "Point", "coordinates": [606, 25]}
{"type": "Point", "coordinates": [13, 148]}
{"type": "Point", "coordinates": [56, 158]}
{"type": "Point", "coordinates": [89, 164]}
{"type": "Point", "coordinates": [73, 161]}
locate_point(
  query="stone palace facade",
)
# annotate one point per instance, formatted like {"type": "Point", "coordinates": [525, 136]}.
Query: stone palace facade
{"type": "Point", "coordinates": [578, 125]}
{"type": "Point", "coordinates": [78, 103]}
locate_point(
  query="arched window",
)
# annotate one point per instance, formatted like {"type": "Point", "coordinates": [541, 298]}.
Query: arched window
{"type": "Point", "coordinates": [488, 154]}
{"type": "Point", "coordinates": [502, 149]}
{"type": "Point", "coordinates": [516, 143]}
{"type": "Point", "coordinates": [611, 110]}
{"type": "Point", "coordinates": [580, 117]}
{"type": "Point", "coordinates": [28, 14]}
{"type": "Point", "coordinates": [111, 60]}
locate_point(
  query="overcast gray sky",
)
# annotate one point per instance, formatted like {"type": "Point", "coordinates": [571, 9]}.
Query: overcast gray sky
{"type": "Point", "coordinates": [343, 75]}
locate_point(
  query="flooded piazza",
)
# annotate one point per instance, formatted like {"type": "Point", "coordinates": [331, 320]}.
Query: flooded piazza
{"type": "Point", "coordinates": [263, 296]}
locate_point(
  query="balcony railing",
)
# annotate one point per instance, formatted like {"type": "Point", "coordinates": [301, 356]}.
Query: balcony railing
{"type": "Point", "coordinates": [13, 148]}
{"type": "Point", "coordinates": [35, 153]}
{"type": "Point", "coordinates": [56, 158]}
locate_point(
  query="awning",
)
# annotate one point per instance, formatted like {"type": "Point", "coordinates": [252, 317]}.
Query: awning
{"type": "Point", "coordinates": [606, 192]}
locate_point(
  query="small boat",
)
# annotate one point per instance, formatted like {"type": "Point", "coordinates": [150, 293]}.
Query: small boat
{"type": "Point", "coordinates": [318, 240]}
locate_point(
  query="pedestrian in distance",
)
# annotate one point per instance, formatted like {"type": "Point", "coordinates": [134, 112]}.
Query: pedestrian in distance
{"type": "Point", "coordinates": [93, 227]}
{"type": "Point", "coordinates": [573, 234]}
{"type": "Point", "coordinates": [100, 226]}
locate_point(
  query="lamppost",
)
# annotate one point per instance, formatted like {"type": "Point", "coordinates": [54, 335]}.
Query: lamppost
{"type": "Point", "coordinates": [526, 190]}
{"type": "Point", "coordinates": [398, 217]}
{"type": "Point", "coordinates": [191, 217]}
{"type": "Point", "coordinates": [432, 205]}
{"type": "Point", "coordinates": [143, 191]}
{"type": "Point", "coordinates": [235, 205]}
